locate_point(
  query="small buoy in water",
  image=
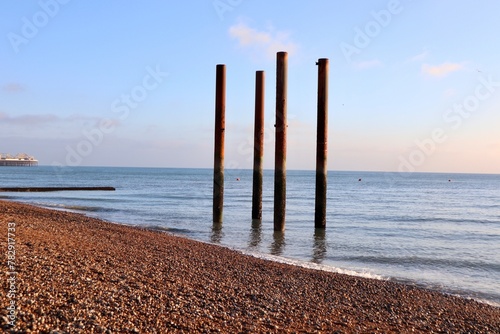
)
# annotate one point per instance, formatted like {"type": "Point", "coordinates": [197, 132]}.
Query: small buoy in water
{"type": "Point", "coordinates": [449, 180]}
{"type": "Point", "coordinates": [237, 179]}
{"type": "Point", "coordinates": [359, 180]}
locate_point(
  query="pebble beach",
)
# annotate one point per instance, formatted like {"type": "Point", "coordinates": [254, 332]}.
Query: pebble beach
{"type": "Point", "coordinates": [76, 274]}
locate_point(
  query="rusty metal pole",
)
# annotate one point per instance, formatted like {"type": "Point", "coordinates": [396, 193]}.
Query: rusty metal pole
{"type": "Point", "coordinates": [220, 124]}
{"type": "Point", "coordinates": [280, 147]}
{"type": "Point", "coordinates": [258, 151]}
{"type": "Point", "coordinates": [322, 145]}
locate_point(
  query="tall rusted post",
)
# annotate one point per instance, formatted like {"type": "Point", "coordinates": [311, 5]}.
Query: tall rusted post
{"type": "Point", "coordinates": [280, 147]}
{"type": "Point", "coordinates": [220, 123]}
{"type": "Point", "coordinates": [322, 145]}
{"type": "Point", "coordinates": [258, 150]}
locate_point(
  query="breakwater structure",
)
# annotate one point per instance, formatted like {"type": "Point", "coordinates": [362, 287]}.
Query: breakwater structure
{"type": "Point", "coordinates": [46, 189]}
{"type": "Point", "coordinates": [19, 160]}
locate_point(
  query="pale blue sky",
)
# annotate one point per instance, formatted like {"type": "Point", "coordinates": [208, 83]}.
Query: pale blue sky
{"type": "Point", "coordinates": [414, 85]}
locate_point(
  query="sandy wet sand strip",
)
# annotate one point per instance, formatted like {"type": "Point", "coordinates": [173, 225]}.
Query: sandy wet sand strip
{"type": "Point", "coordinates": [82, 275]}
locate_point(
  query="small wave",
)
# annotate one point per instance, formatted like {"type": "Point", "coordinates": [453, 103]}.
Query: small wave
{"type": "Point", "coordinates": [449, 220]}
{"type": "Point", "coordinates": [91, 199]}
{"type": "Point", "coordinates": [167, 229]}
{"type": "Point", "coordinates": [485, 301]}
{"type": "Point", "coordinates": [71, 207]}
{"type": "Point", "coordinates": [425, 261]}
{"type": "Point", "coordinates": [484, 298]}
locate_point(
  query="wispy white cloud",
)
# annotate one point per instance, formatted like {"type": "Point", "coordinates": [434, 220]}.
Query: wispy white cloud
{"type": "Point", "coordinates": [39, 119]}
{"type": "Point", "coordinates": [27, 119]}
{"type": "Point", "coordinates": [364, 65]}
{"type": "Point", "coordinates": [268, 42]}
{"type": "Point", "coordinates": [442, 70]}
{"type": "Point", "coordinates": [450, 92]}
{"type": "Point", "coordinates": [13, 87]}
{"type": "Point", "coordinates": [419, 57]}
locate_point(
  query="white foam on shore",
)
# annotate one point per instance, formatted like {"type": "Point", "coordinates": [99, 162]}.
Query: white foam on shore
{"type": "Point", "coordinates": [484, 301]}
{"type": "Point", "coordinates": [364, 274]}
{"type": "Point", "coordinates": [311, 265]}
{"type": "Point", "coordinates": [279, 259]}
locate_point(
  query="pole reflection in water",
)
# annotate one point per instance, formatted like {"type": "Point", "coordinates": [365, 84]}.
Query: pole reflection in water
{"type": "Point", "coordinates": [278, 243]}
{"type": "Point", "coordinates": [216, 234]}
{"type": "Point", "coordinates": [319, 246]}
{"type": "Point", "coordinates": [255, 234]}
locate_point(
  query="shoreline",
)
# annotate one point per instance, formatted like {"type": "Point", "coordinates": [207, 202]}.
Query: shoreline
{"type": "Point", "coordinates": [337, 270]}
{"type": "Point", "coordinates": [457, 292]}
{"type": "Point", "coordinates": [81, 274]}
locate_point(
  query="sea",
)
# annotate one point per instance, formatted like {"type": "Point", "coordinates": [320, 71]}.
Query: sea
{"type": "Point", "coordinates": [432, 230]}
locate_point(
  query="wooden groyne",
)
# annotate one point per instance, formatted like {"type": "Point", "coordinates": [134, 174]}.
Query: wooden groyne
{"type": "Point", "coordinates": [43, 189]}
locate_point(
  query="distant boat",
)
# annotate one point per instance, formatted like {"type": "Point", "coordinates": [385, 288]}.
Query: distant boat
{"type": "Point", "coordinates": [20, 160]}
